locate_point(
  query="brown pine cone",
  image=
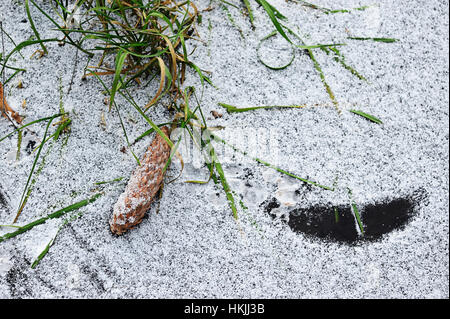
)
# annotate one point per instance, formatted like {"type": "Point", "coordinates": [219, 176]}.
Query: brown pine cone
{"type": "Point", "coordinates": [142, 187]}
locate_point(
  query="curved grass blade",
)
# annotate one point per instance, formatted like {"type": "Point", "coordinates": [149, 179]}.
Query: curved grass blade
{"type": "Point", "coordinates": [230, 4]}
{"type": "Point", "coordinates": [258, 48]}
{"type": "Point", "coordinates": [24, 44]}
{"type": "Point", "coordinates": [148, 132]}
{"type": "Point", "coordinates": [162, 83]}
{"type": "Point", "coordinates": [17, 71]}
{"type": "Point", "coordinates": [203, 78]}
{"type": "Point", "coordinates": [232, 21]}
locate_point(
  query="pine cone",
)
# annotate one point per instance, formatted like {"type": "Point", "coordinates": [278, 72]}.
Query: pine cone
{"type": "Point", "coordinates": [142, 187]}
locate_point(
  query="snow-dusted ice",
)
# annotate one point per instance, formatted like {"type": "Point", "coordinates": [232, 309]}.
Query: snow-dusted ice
{"type": "Point", "coordinates": [190, 245]}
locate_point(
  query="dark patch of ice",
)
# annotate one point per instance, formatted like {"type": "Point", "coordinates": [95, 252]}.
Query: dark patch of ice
{"type": "Point", "coordinates": [320, 221]}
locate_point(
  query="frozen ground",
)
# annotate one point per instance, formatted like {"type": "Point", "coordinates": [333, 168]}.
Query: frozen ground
{"type": "Point", "coordinates": [193, 247]}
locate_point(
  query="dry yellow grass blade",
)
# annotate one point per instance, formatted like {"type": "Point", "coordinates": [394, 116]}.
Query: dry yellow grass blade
{"type": "Point", "coordinates": [5, 108]}
{"type": "Point", "coordinates": [108, 71]}
{"type": "Point", "coordinates": [174, 59]}
{"type": "Point", "coordinates": [162, 66]}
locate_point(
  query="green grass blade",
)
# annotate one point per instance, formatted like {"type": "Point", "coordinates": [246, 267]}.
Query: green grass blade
{"type": "Point", "coordinates": [56, 214]}
{"type": "Point", "coordinates": [149, 121]}
{"type": "Point", "coordinates": [50, 243]}
{"type": "Point", "coordinates": [19, 144]}
{"type": "Point", "coordinates": [45, 251]}
{"type": "Point", "coordinates": [234, 109]}
{"type": "Point", "coordinates": [319, 46]}
{"type": "Point", "coordinates": [324, 81]}
{"type": "Point", "coordinates": [347, 10]}
{"type": "Point", "coordinates": [22, 200]}
{"type": "Point", "coordinates": [216, 138]}
{"type": "Point", "coordinates": [258, 48]}
{"type": "Point", "coordinates": [317, 66]}
{"type": "Point", "coordinates": [24, 44]}
{"type": "Point", "coordinates": [230, 4]}
{"type": "Point", "coordinates": [314, 6]}
{"type": "Point", "coordinates": [29, 124]}
{"type": "Point", "coordinates": [271, 12]}
{"type": "Point", "coordinates": [111, 181]}
{"type": "Point", "coordinates": [356, 211]}
{"type": "Point", "coordinates": [275, 11]}
{"type": "Point", "coordinates": [250, 11]}
{"type": "Point", "coordinates": [331, 11]}
{"type": "Point", "coordinates": [120, 60]}
{"type": "Point", "coordinates": [33, 27]}
{"type": "Point", "coordinates": [367, 116]}
{"type": "Point", "coordinates": [203, 78]}
{"type": "Point", "coordinates": [384, 40]}
{"type": "Point", "coordinates": [340, 58]}
{"type": "Point", "coordinates": [13, 75]}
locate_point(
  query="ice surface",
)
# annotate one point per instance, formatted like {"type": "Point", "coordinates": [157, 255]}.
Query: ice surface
{"type": "Point", "coordinates": [193, 247]}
